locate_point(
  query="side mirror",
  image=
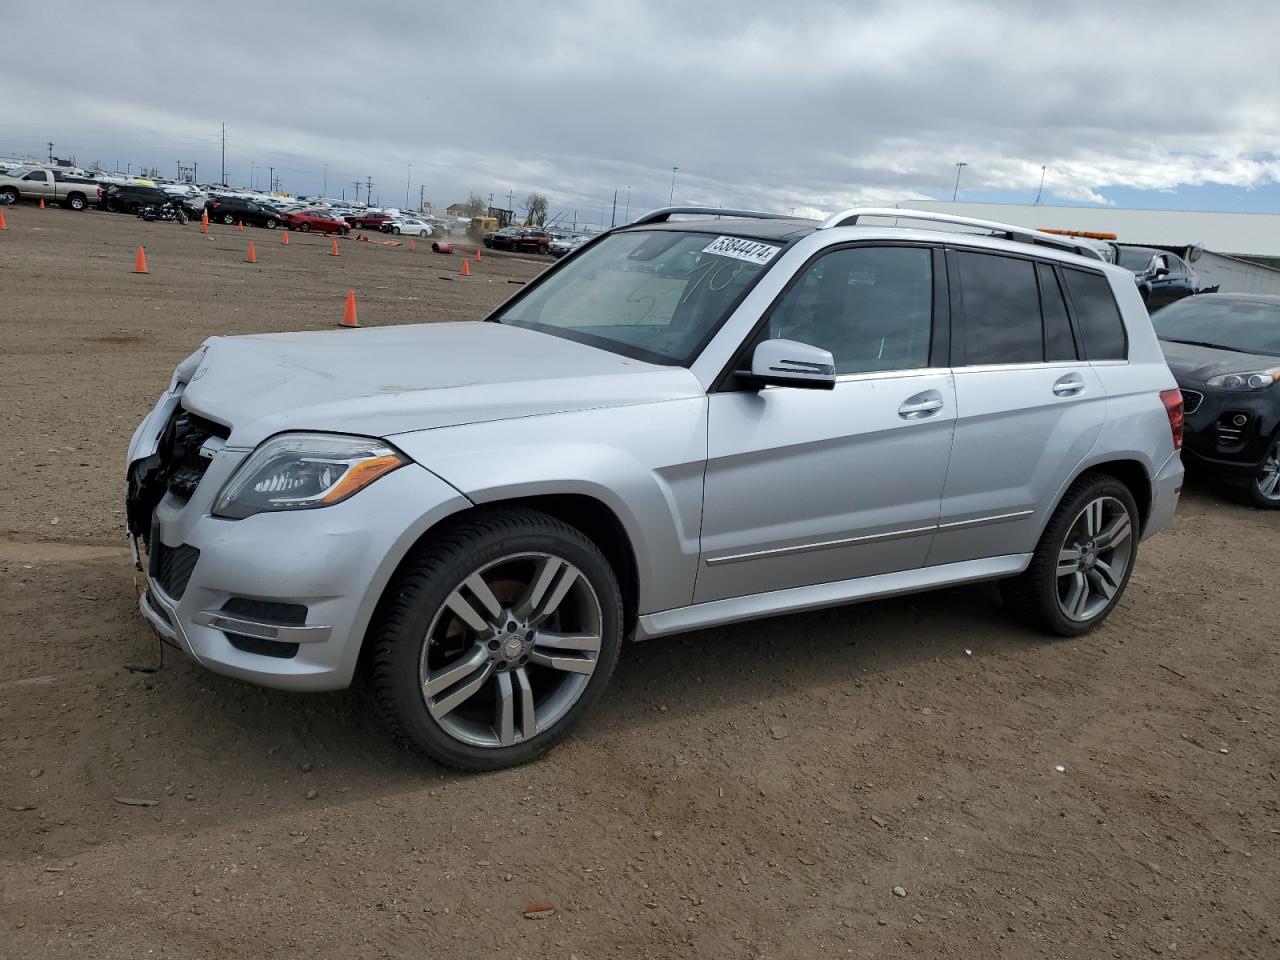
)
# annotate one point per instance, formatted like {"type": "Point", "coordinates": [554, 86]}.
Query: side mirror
{"type": "Point", "coordinates": [1160, 271]}
{"type": "Point", "coordinates": [786, 363]}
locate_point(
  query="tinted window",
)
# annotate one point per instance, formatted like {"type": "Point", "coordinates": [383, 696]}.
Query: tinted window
{"type": "Point", "coordinates": [872, 307]}
{"type": "Point", "coordinates": [1058, 342]}
{"type": "Point", "coordinates": [35, 175]}
{"type": "Point", "coordinates": [1097, 316]}
{"type": "Point", "coordinates": [1001, 309]}
{"type": "Point", "coordinates": [1249, 326]}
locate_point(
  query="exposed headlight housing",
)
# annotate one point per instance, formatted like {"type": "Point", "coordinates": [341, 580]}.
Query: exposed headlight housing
{"type": "Point", "coordinates": [1253, 380]}
{"type": "Point", "coordinates": [303, 471]}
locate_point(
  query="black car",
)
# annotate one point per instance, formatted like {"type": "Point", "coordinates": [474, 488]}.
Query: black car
{"type": "Point", "coordinates": [232, 209]}
{"type": "Point", "coordinates": [1224, 349]}
{"type": "Point", "coordinates": [130, 197]}
{"type": "Point", "coordinates": [1162, 277]}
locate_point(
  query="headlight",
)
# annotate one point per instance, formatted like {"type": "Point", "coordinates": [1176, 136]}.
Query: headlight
{"type": "Point", "coordinates": [1254, 380]}
{"type": "Point", "coordinates": [301, 471]}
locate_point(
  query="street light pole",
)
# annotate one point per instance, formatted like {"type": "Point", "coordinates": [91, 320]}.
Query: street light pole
{"type": "Point", "coordinates": [1041, 190]}
{"type": "Point", "coordinates": [956, 191]}
{"type": "Point", "coordinates": [671, 199]}
{"type": "Point", "coordinates": [613, 217]}
{"type": "Point", "coordinates": [627, 216]}
{"type": "Point", "coordinates": [408, 177]}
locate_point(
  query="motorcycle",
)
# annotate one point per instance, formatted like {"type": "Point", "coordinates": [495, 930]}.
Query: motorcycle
{"type": "Point", "coordinates": [169, 210]}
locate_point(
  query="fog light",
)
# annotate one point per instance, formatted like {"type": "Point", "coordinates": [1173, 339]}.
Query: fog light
{"type": "Point", "coordinates": [1239, 419]}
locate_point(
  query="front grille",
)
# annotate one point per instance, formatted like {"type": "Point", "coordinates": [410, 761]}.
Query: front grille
{"type": "Point", "coordinates": [171, 567]}
{"type": "Point", "coordinates": [185, 464]}
{"type": "Point", "coordinates": [1191, 400]}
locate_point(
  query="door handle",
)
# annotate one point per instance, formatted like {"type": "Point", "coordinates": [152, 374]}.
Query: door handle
{"type": "Point", "coordinates": [1069, 386]}
{"type": "Point", "coordinates": [921, 405]}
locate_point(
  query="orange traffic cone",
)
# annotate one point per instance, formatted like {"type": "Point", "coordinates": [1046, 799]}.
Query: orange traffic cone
{"type": "Point", "coordinates": [477, 254]}
{"type": "Point", "coordinates": [333, 251]}
{"type": "Point", "coordinates": [204, 216]}
{"type": "Point", "coordinates": [3, 225]}
{"type": "Point", "coordinates": [240, 225]}
{"type": "Point", "coordinates": [413, 245]}
{"type": "Point", "coordinates": [466, 268]}
{"type": "Point", "coordinates": [253, 256]}
{"type": "Point", "coordinates": [284, 238]}
{"type": "Point", "coordinates": [140, 261]}
{"type": "Point", "coordinates": [42, 203]}
{"type": "Point", "coordinates": [349, 313]}
{"type": "Point", "coordinates": [204, 227]}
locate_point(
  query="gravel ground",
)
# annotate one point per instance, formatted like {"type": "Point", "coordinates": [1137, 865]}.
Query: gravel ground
{"type": "Point", "coordinates": [910, 778]}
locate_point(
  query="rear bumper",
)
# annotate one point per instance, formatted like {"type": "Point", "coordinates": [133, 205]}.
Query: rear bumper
{"type": "Point", "coordinates": [1166, 488]}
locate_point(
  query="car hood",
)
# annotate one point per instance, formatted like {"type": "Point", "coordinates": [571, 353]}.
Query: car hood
{"type": "Point", "coordinates": [388, 380]}
{"type": "Point", "coordinates": [1194, 365]}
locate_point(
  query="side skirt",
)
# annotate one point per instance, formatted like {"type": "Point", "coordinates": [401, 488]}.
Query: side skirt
{"type": "Point", "coordinates": [798, 599]}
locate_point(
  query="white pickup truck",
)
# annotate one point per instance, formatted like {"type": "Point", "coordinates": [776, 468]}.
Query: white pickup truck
{"type": "Point", "coordinates": [74, 191]}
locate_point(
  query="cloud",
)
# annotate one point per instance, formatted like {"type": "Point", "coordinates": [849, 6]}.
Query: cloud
{"type": "Point", "coordinates": [809, 106]}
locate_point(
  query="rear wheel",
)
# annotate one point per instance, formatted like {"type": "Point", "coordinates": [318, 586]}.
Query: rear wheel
{"type": "Point", "coordinates": [496, 641]}
{"type": "Point", "coordinates": [1264, 489]}
{"type": "Point", "coordinates": [1083, 561]}
{"type": "Point", "coordinates": [305, 228]}
{"type": "Point", "coordinates": [270, 223]}
{"type": "Point", "coordinates": [229, 219]}
{"type": "Point", "coordinates": [396, 231]}
{"type": "Point", "coordinates": [424, 233]}
{"type": "Point", "coordinates": [11, 195]}
{"type": "Point", "coordinates": [76, 202]}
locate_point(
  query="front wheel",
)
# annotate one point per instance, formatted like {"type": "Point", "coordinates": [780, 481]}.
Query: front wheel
{"type": "Point", "coordinates": [270, 223]}
{"type": "Point", "coordinates": [1083, 561]}
{"type": "Point", "coordinates": [305, 228]}
{"type": "Point", "coordinates": [1264, 489]}
{"type": "Point", "coordinates": [11, 195]}
{"type": "Point", "coordinates": [229, 219]}
{"type": "Point", "coordinates": [496, 640]}
{"type": "Point", "coordinates": [76, 202]}
{"type": "Point", "coordinates": [424, 233]}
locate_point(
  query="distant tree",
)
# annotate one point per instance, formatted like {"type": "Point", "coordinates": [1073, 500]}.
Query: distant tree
{"type": "Point", "coordinates": [535, 209]}
{"type": "Point", "coordinates": [476, 205]}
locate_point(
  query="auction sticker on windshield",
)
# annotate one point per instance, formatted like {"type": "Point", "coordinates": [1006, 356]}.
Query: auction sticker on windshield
{"type": "Point", "coordinates": [739, 249]}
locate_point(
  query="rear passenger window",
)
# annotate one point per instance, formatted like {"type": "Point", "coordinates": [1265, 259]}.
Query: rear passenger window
{"type": "Point", "coordinates": [1001, 309]}
{"type": "Point", "coordinates": [1058, 342]}
{"type": "Point", "coordinates": [1097, 316]}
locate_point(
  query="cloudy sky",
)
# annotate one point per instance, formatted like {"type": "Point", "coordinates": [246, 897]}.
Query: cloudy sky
{"type": "Point", "coordinates": [797, 105]}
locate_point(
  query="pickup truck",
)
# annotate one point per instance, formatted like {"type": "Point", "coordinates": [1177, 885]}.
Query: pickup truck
{"type": "Point", "coordinates": [73, 191]}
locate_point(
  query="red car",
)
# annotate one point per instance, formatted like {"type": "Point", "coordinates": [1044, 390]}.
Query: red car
{"type": "Point", "coordinates": [320, 221]}
{"type": "Point", "coordinates": [368, 221]}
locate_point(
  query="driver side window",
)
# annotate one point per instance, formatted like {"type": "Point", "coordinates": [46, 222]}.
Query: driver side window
{"type": "Point", "coordinates": [872, 307]}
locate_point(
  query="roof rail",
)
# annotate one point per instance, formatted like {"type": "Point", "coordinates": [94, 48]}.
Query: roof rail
{"type": "Point", "coordinates": [666, 213]}
{"type": "Point", "coordinates": [849, 218]}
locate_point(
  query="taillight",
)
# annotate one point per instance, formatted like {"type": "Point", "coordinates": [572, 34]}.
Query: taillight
{"type": "Point", "coordinates": [1173, 407]}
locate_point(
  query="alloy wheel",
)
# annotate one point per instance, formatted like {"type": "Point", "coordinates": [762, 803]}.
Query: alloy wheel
{"type": "Point", "coordinates": [1268, 479]}
{"type": "Point", "coordinates": [1094, 558]}
{"type": "Point", "coordinates": [511, 650]}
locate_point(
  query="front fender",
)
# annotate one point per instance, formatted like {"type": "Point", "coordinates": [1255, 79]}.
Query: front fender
{"type": "Point", "coordinates": [644, 462]}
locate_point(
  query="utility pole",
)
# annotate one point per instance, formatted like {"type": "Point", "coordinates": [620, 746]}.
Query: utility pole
{"type": "Point", "coordinates": [326, 181]}
{"type": "Point", "coordinates": [195, 171]}
{"type": "Point", "coordinates": [613, 217]}
{"type": "Point", "coordinates": [511, 200]}
{"type": "Point", "coordinates": [271, 178]}
{"type": "Point", "coordinates": [422, 193]}
{"type": "Point", "coordinates": [224, 154]}
{"type": "Point", "coordinates": [671, 199]}
{"type": "Point", "coordinates": [956, 191]}
{"type": "Point", "coordinates": [50, 152]}
{"type": "Point", "coordinates": [627, 216]}
{"type": "Point", "coordinates": [368, 190]}
{"type": "Point", "coordinates": [1041, 190]}
{"type": "Point", "coordinates": [356, 194]}
{"type": "Point", "coordinates": [408, 177]}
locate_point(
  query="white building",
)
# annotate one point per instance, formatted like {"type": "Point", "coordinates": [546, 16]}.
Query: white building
{"type": "Point", "coordinates": [1242, 250]}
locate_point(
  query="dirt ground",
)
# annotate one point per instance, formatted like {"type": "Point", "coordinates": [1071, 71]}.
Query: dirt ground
{"type": "Point", "coordinates": [754, 791]}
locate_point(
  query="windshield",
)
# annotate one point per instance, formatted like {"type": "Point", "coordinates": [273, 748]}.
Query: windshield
{"type": "Point", "coordinates": [651, 295]}
{"type": "Point", "coordinates": [1247, 326]}
{"type": "Point", "coordinates": [1136, 258]}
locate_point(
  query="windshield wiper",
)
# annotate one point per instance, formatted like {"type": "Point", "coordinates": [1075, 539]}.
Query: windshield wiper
{"type": "Point", "coordinates": [1199, 343]}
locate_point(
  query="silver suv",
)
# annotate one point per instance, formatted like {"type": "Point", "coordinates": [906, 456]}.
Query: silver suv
{"type": "Point", "coordinates": [684, 423]}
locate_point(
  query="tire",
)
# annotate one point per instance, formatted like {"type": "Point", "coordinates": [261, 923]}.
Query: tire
{"type": "Point", "coordinates": [1073, 548]}
{"type": "Point", "coordinates": [229, 219]}
{"type": "Point", "coordinates": [76, 201]}
{"type": "Point", "coordinates": [1263, 491]}
{"type": "Point", "coordinates": [270, 223]}
{"type": "Point", "coordinates": [11, 193]}
{"type": "Point", "coordinates": [424, 234]}
{"type": "Point", "coordinates": [305, 228]}
{"type": "Point", "coordinates": [396, 231]}
{"type": "Point", "coordinates": [421, 639]}
{"type": "Point", "coordinates": [135, 208]}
